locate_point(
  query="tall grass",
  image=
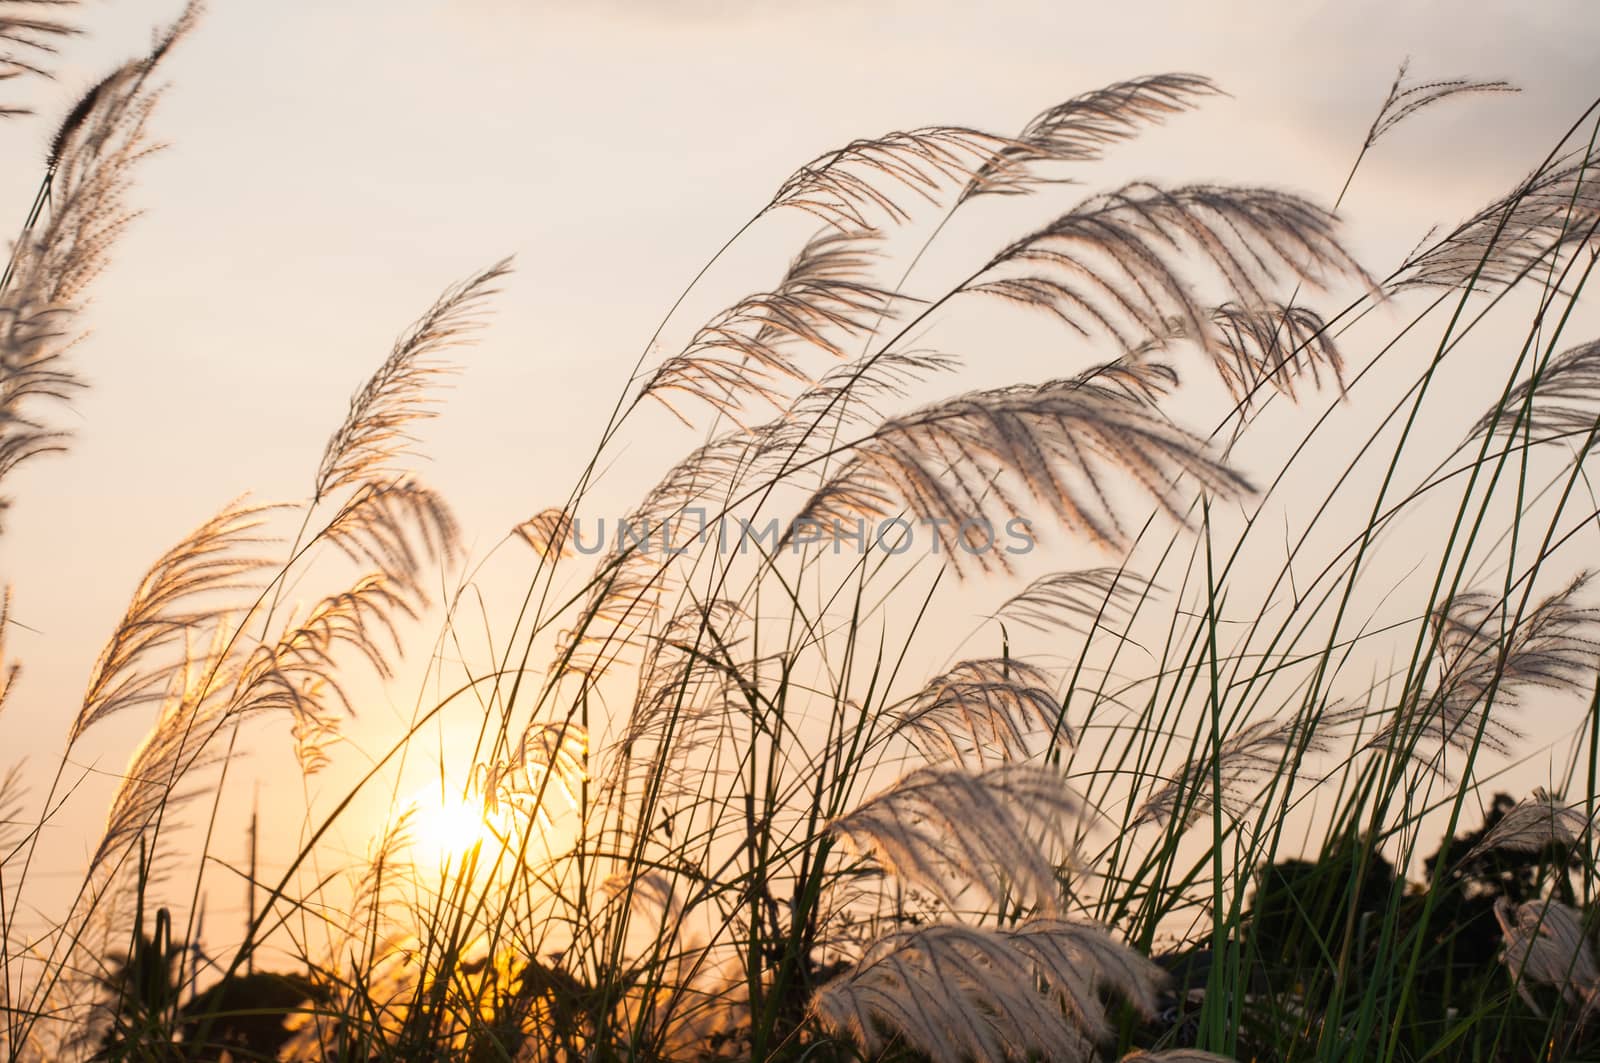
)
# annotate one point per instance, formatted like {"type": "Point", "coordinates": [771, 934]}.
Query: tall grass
{"type": "Point", "coordinates": [751, 793]}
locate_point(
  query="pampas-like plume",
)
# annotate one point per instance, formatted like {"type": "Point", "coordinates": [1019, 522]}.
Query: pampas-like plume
{"type": "Point", "coordinates": [1001, 831]}
{"type": "Point", "coordinates": [956, 993]}
{"type": "Point", "coordinates": [1562, 401]}
{"type": "Point", "coordinates": [847, 393]}
{"type": "Point", "coordinates": [884, 375]}
{"type": "Point", "coordinates": [630, 584]}
{"type": "Point", "coordinates": [552, 756]}
{"type": "Point", "coordinates": [294, 675]}
{"type": "Point", "coordinates": [12, 824]}
{"type": "Point", "coordinates": [169, 605]}
{"type": "Point", "coordinates": [1556, 208]}
{"type": "Point", "coordinates": [173, 605]}
{"type": "Point", "coordinates": [9, 670]}
{"type": "Point", "coordinates": [694, 645]}
{"type": "Point", "coordinates": [631, 578]}
{"type": "Point", "coordinates": [86, 182]}
{"type": "Point", "coordinates": [29, 40]}
{"type": "Point", "coordinates": [825, 299]}
{"type": "Point", "coordinates": [1249, 757]}
{"type": "Point", "coordinates": [175, 745]}
{"type": "Point", "coordinates": [1545, 943]}
{"type": "Point", "coordinates": [1112, 265]}
{"type": "Point", "coordinates": [846, 186]}
{"type": "Point", "coordinates": [1534, 824]}
{"type": "Point", "coordinates": [1273, 346]}
{"type": "Point", "coordinates": [982, 710]}
{"type": "Point", "coordinates": [1405, 100]}
{"type": "Point", "coordinates": [549, 532]}
{"type": "Point", "coordinates": [1054, 601]}
{"type": "Point", "coordinates": [395, 526]}
{"type": "Point", "coordinates": [689, 683]}
{"type": "Point", "coordinates": [376, 431]}
{"type": "Point", "coordinates": [652, 894]}
{"type": "Point", "coordinates": [1101, 963]}
{"type": "Point", "coordinates": [372, 880]}
{"type": "Point", "coordinates": [945, 463]}
{"type": "Point", "coordinates": [1555, 647]}
{"type": "Point", "coordinates": [621, 604]}
{"type": "Point", "coordinates": [711, 472]}
{"type": "Point", "coordinates": [297, 674]}
{"type": "Point", "coordinates": [1079, 129]}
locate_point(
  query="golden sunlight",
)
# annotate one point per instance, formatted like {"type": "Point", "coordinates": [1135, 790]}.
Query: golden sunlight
{"type": "Point", "coordinates": [447, 827]}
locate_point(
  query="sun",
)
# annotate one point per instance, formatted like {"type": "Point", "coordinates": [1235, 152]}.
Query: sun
{"type": "Point", "coordinates": [445, 829]}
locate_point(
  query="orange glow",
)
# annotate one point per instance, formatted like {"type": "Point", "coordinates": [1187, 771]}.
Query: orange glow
{"type": "Point", "coordinates": [446, 830]}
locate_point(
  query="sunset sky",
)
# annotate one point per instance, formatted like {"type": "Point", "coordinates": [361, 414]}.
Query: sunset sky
{"type": "Point", "coordinates": [332, 166]}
